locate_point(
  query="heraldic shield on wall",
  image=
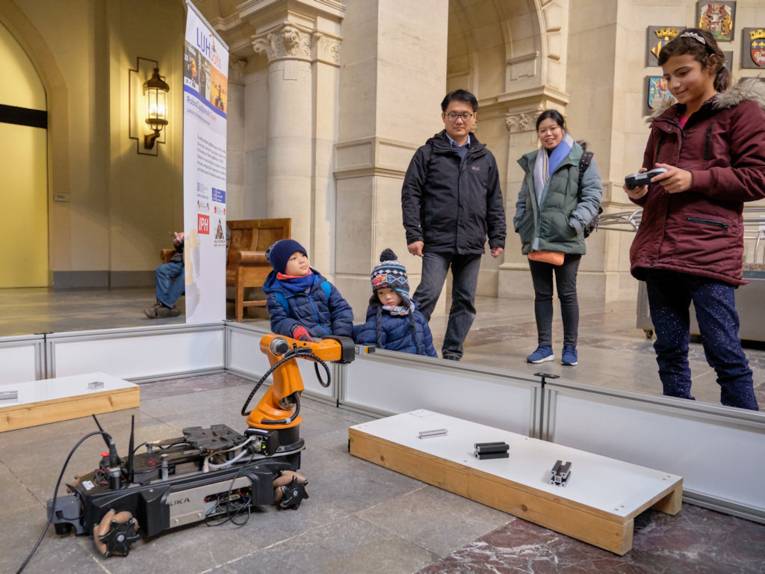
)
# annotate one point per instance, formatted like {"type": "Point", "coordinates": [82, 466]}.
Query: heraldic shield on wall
{"type": "Point", "coordinates": [658, 37]}
{"type": "Point", "coordinates": [753, 51]}
{"type": "Point", "coordinates": [657, 91]}
{"type": "Point", "coordinates": [717, 18]}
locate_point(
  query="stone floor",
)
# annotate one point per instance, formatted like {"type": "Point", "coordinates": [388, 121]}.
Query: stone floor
{"type": "Point", "coordinates": [612, 351]}
{"type": "Point", "coordinates": [360, 518]}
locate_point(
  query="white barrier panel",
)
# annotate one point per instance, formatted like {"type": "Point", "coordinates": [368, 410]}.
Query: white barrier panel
{"type": "Point", "coordinates": [719, 451]}
{"type": "Point", "coordinates": [138, 353]}
{"type": "Point", "coordinates": [21, 359]}
{"type": "Point", "coordinates": [392, 383]}
{"type": "Point", "coordinates": [244, 357]}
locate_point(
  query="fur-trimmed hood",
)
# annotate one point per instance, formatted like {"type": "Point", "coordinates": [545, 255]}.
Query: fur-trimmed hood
{"type": "Point", "coordinates": [745, 89]}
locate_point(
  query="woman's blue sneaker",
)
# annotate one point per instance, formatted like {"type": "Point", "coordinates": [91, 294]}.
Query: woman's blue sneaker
{"type": "Point", "coordinates": [541, 355]}
{"type": "Point", "coordinates": [569, 356]}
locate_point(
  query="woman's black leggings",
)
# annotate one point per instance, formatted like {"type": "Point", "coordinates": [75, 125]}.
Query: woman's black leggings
{"type": "Point", "coordinates": [565, 283]}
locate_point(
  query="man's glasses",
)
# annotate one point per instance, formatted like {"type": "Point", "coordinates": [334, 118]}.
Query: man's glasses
{"type": "Point", "coordinates": [464, 116]}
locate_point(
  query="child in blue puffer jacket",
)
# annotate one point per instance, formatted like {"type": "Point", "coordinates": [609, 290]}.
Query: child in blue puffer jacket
{"type": "Point", "coordinates": [393, 323]}
{"type": "Point", "coordinates": [301, 303]}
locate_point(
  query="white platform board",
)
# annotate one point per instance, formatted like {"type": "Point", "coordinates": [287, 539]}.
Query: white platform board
{"type": "Point", "coordinates": [598, 485]}
{"type": "Point", "coordinates": [64, 398]}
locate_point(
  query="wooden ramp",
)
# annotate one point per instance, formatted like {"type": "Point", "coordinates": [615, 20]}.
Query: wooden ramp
{"type": "Point", "coordinates": [64, 398]}
{"type": "Point", "coordinates": [598, 505]}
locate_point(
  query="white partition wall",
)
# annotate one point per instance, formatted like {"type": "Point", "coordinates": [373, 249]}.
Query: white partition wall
{"type": "Point", "coordinates": [138, 353]}
{"type": "Point", "coordinates": [244, 357]}
{"type": "Point", "coordinates": [391, 383]}
{"type": "Point", "coordinates": [719, 451]}
{"type": "Point", "coordinates": [22, 359]}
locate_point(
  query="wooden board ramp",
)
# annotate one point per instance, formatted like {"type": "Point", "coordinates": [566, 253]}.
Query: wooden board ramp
{"type": "Point", "coordinates": [64, 398]}
{"type": "Point", "coordinates": [598, 505]}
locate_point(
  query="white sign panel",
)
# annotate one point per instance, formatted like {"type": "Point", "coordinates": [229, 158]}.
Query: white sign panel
{"type": "Point", "coordinates": [205, 91]}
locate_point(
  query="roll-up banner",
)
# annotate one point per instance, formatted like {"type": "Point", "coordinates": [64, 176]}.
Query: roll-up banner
{"type": "Point", "coordinates": [205, 92]}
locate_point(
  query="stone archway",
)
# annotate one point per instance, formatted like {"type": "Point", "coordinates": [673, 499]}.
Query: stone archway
{"type": "Point", "coordinates": [512, 55]}
{"type": "Point", "coordinates": [44, 61]}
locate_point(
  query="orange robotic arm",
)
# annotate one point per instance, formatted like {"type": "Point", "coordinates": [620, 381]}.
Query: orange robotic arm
{"type": "Point", "coordinates": [278, 408]}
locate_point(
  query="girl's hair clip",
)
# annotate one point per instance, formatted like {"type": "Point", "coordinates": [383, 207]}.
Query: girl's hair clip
{"type": "Point", "coordinates": [695, 36]}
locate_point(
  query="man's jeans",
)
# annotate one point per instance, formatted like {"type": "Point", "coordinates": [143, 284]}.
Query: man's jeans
{"type": "Point", "coordinates": [170, 282]}
{"type": "Point", "coordinates": [669, 297]}
{"type": "Point", "coordinates": [465, 278]}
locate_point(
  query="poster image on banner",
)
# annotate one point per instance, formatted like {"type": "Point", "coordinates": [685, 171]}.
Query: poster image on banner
{"type": "Point", "coordinates": [205, 105]}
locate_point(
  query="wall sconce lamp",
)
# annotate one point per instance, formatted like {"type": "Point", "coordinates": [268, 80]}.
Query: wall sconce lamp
{"type": "Point", "coordinates": [147, 103]}
{"type": "Point", "coordinates": [155, 93]}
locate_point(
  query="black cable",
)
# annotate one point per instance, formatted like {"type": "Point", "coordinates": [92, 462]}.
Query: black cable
{"type": "Point", "coordinates": [316, 362]}
{"type": "Point", "coordinates": [293, 353]}
{"type": "Point", "coordinates": [240, 506]}
{"type": "Point", "coordinates": [161, 447]}
{"type": "Point", "coordinates": [55, 497]}
{"type": "Point", "coordinates": [288, 356]}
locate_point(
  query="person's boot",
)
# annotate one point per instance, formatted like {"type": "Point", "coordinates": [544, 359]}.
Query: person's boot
{"type": "Point", "coordinates": [151, 312]}
{"type": "Point", "coordinates": [164, 312]}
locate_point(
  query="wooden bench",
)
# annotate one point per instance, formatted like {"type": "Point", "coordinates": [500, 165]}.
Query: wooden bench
{"type": "Point", "coordinates": [246, 263]}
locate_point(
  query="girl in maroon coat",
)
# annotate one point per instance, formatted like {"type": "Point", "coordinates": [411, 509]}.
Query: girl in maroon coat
{"type": "Point", "coordinates": [690, 243]}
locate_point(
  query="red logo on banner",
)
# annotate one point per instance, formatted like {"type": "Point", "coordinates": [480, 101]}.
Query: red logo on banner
{"type": "Point", "coordinates": [203, 224]}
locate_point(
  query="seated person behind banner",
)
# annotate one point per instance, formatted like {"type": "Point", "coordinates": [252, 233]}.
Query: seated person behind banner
{"type": "Point", "coordinates": [393, 323]}
{"type": "Point", "coordinates": [301, 303]}
{"type": "Point", "coordinates": [170, 281]}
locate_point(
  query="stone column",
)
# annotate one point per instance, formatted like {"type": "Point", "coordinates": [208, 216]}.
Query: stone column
{"type": "Point", "coordinates": [325, 66]}
{"type": "Point", "coordinates": [514, 278]}
{"type": "Point", "coordinates": [290, 103]}
{"type": "Point", "coordinates": [393, 80]}
{"type": "Point", "coordinates": [235, 145]}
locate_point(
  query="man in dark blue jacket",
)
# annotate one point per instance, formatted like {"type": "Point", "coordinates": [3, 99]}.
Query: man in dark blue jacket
{"type": "Point", "coordinates": [452, 201]}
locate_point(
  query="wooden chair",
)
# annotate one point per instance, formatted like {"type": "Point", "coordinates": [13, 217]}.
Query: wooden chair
{"type": "Point", "coordinates": [246, 263]}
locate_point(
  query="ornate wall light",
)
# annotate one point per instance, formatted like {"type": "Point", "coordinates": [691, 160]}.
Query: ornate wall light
{"type": "Point", "coordinates": [147, 104]}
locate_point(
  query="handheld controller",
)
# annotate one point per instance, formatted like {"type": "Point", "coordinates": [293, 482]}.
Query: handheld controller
{"type": "Point", "coordinates": [634, 180]}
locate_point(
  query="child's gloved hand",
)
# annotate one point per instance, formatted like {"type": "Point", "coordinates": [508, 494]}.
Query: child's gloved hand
{"type": "Point", "coordinates": [301, 333]}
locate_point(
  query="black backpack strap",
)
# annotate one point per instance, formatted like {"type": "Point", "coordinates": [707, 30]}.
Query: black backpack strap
{"type": "Point", "coordinates": [584, 164]}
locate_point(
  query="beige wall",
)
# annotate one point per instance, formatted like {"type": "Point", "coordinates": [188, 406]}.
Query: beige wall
{"type": "Point", "coordinates": [145, 200]}
{"type": "Point", "coordinates": [110, 209]}
{"type": "Point", "coordinates": [21, 85]}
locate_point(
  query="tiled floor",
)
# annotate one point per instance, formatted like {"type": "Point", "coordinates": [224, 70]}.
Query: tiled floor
{"type": "Point", "coordinates": [360, 518]}
{"type": "Point", "coordinates": [612, 351]}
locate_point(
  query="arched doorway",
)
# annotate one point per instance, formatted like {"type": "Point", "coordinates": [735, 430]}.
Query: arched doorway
{"type": "Point", "coordinates": [512, 55]}
{"type": "Point", "coordinates": [23, 179]}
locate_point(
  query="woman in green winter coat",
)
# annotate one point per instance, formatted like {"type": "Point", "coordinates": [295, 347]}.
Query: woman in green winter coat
{"type": "Point", "coordinates": [552, 211]}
